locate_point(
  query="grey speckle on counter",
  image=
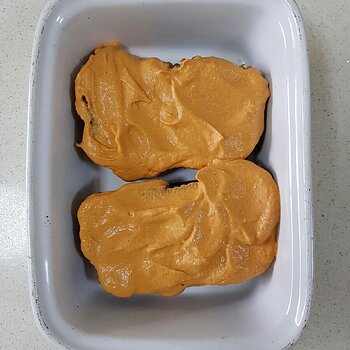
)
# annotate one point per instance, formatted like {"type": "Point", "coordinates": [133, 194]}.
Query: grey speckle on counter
{"type": "Point", "coordinates": [328, 31]}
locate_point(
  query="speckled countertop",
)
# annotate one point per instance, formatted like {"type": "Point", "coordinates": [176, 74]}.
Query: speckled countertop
{"type": "Point", "coordinates": [328, 27]}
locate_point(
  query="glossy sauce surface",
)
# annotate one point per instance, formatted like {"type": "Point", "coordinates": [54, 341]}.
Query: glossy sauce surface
{"type": "Point", "coordinates": [146, 238]}
{"type": "Point", "coordinates": [143, 116]}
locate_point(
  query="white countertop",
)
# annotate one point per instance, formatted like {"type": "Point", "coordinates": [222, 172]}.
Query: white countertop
{"type": "Point", "coordinates": [328, 26]}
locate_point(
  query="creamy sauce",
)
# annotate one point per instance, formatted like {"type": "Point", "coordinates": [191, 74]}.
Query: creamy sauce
{"type": "Point", "coordinates": [144, 116]}
{"type": "Point", "coordinates": [146, 238]}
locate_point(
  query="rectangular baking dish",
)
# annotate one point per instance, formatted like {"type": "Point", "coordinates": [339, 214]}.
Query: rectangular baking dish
{"type": "Point", "coordinates": [268, 312]}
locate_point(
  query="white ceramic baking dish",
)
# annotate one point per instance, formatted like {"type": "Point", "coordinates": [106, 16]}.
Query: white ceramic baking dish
{"type": "Point", "coordinates": [69, 305]}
